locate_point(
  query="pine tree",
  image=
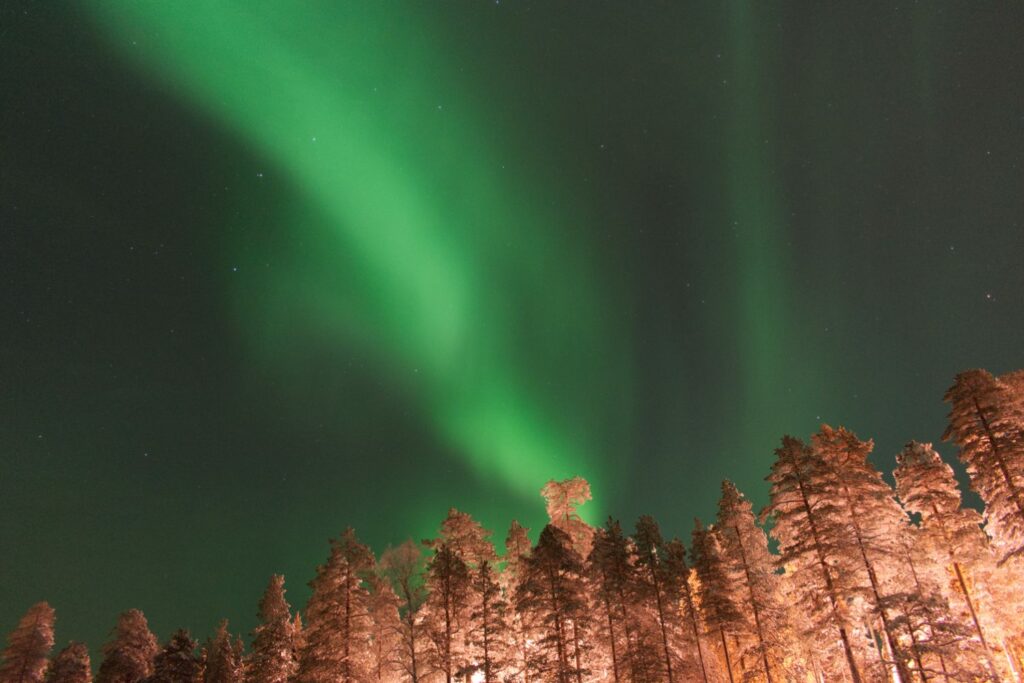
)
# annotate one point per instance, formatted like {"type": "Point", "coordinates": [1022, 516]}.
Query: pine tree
{"type": "Point", "coordinates": [649, 555]}
{"type": "Point", "coordinates": [986, 420]}
{"type": "Point", "coordinates": [337, 623]}
{"type": "Point", "coordinates": [746, 546]}
{"type": "Point", "coordinates": [128, 657]}
{"type": "Point", "coordinates": [177, 661]}
{"type": "Point", "coordinates": [466, 537]}
{"type": "Point", "coordinates": [803, 513]}
{"type": "Point", "coordinates": [71, 665]}
{"type": "Point", "coordinates": [874, 524]}
{"type": "Point", "coordinates": [273, 658]}
{"type": "Point", "coordinates": [551, 594]}
{"type": "Point", "coordinates": [718, 587]}
{"type": "Point", "coordinates": [677, 583]}
{"type": "Point", "coordinates": [223, 663]}
{"type": "Point", "coordinates": [517, 548]}
{"type": "Point", "coordinates": [562, 499]}
{"type": "Point", "coordinates": [488, 633]}
{"type": "Point", "coordinates": [24, 658]}
{"type": "Point", "coordinates": [448, 591]}
{"type": "Point", "coordinates": [612, 574]}
{"type": "Point", "coordinates": [385, 629]}
{"type": "Point", "coordinates": [403, 568]}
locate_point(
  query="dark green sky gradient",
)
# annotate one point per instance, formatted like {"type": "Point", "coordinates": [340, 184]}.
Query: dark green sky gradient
{"type": "Point", "coordinates": [714, 225]}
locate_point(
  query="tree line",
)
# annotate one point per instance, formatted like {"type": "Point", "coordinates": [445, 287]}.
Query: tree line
{"type": "Point", "coordinates": [865, 581]}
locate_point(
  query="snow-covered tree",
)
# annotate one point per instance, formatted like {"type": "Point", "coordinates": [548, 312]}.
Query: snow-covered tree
{"type": "Point", "coordinates": [986, 420]}
{"type": "Point", "coordinates": [445, 609]}
{"type": "Point", "coordinates": [71, 665]}
{"type": "Point", "coordinates": [612, 576]}
{"type": "Point", "coordinates": [177, 661]}
{"type": "Point", "coordinates": [677, 583]}
{"type": "Point", "coordinates": [403, 567]}
{"type": "Point", "coordinates": [517, 548]}
{"type": "Point", "coordinates": [274, 647]}
{"type": "Point", "coordinates": [745, 546]}
{"type": "Point", "coordinates": [562, 499]}
{"type": "Point", "coordinates": [24, 658]}
{"type": "Point", "coordinates": [128, 656]}
{"type": "Point", "coordinates": [719, 585]}
{"type": "Point", "coordinates": [223, 657]}
{"type": "Point", "coordinates": [488, 633]}
{"type": "Point", "coordinates": [551, 594]}
{"type": "Point", "coordinates": [654, 592]}
{"type": "Point", "coordinates": [804, 513]}
{"type": "Point", "coordinates": [385, 629]}
{"type": "Point", "coordinates": [336, 635]}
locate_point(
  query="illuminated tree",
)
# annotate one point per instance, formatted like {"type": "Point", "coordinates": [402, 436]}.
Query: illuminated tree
{"type": "Point", "coordinates": [562, 498]}
{"type": "Point", "coordinates": [274, 646]}
{"type": "Point", "coordinates": [551, 594]}
{"type": "Point", "coordinates": [177, 661]}
{"type": "Point", "coordinates": [385, 629]}
{"type": "Point", "coordinates": [986, 420]}
{"type": "Point", "coordinates": [677, 583]}
{"type": "Point", "coordinates": [336, 636]}
{"type": "Point", "coordinates": [447, 596]}
{"type": "Point", "coordinates": [488, 632]}
{"type": "Point", "coordinates": [718, 586]}
{"type": "Point", "coordinates": [517, 548]}
{"type": "Point", "coordinates": [403, 568]}
{"type": "Point", "coordinates": [71, 665]}
{"type": "Point", "coordinates": [128, 657]}
{"type": "Point", "coordinates": [803, 513]}
{"type": "Point", "coordinates": [223, 658]}
{"type": "Point", "coordinates": [611, 573]}
{"type": "Point", "coordinates": [745, 546]}
{"type": "Point", "coordinates": [24, 658]}
{"type": "Point", "coordinates": [653, 590]}
{"type": "Point", "coordinates": [465, 537]}
{"type": "Point", "coordinates": [949, 536]}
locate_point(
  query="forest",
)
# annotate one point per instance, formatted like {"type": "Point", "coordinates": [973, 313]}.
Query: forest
{"type": "Point", "coordinates": [841, 577]}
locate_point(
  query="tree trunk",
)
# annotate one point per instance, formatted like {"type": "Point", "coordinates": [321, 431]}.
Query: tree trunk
{"type": "Point", "coordinates": [725, 649]}
{"type": "Point", "coordinates": [753, 604]}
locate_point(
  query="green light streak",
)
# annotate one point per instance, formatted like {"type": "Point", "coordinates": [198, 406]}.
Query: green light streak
{"type": "Point", "coordinates": [434, 261]}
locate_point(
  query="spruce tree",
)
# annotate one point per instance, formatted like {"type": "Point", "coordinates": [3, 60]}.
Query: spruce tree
{"type": "Point", "coordinates": [677, 582]}
{"type": "Point", "coordinates": [273, 657]}
{"type": "Point", "coordinates": [177, 661]}
{"type": "Point", "coordinates": [71, 665]}
{"type": "Point", "coordinates": [488, 633]}
{"type": "Point", "coordinates": [24, 658]}
{"type": "Point", "coordinates": [336, 636]}
{"type": "Point", "coordinates": [986, 420]}
{"type": "Point", "coordinates": [128, 656]}
{"type": "Point", "coordinates": [223, 663]}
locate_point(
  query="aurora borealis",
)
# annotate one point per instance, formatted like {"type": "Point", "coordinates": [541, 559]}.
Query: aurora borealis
{"type": "Point", "coordinates": [273, 271]}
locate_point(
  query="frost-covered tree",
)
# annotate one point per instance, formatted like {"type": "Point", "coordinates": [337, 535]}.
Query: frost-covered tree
{"type": "Point", "coordinates": [403, 567]}
{"type": "Point", "coordinates": [551, 594]}
{"type": "Point", "coordinates": [385, 629]}
{"type": "Point", "coordinates": [71, 665]}
{"type": "Point", "coordinates": [24, 658]}
{"type": "Point", "coordinates": [128, 656]}
{"type": "Point", "coordinates": [466, 537]}
{"type": "Point", "coordinates": [445, 609]}
{"type": "Point", "coordinates": [677, 582]}
{"type": "Point", "coordinates": [986, 420]}
{"type": "Point", "coordinates": [719, 585]}
{"type": "Point", "coordinates": [653, 590]}
{"type": "Point", "coordinates": [336, 635]}
{"type": "Point", "coordinates": [223, 657]}
{"type": "Point", "coordinates": [562, 499]}
{"type": "Point", "coordinates": [488, 633]}
{"type": "Point", "coordinates": [274, 647]}
{"type": "Point", "coordinates": [177, 661]}
{"type": "Point", "coordinates": [872, 525]}
{"type": "Point", "coordinates": [517, 548]}
{"type": "Point", "coordinates": [950, 535]}
{"type": "Point", "coordinates": [804, 514]}
{"type": "Point", "coordinates": [612, 576]}
{"type": "Point", "coordinates": [746, 547]}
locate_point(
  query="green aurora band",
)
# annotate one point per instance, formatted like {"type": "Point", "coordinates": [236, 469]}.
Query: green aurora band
{"type": "Point", "coordinates": [422, 249]}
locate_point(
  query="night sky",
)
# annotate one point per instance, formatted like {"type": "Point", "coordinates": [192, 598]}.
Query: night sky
{"type": "Point", "coordinates": [271, 269]}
